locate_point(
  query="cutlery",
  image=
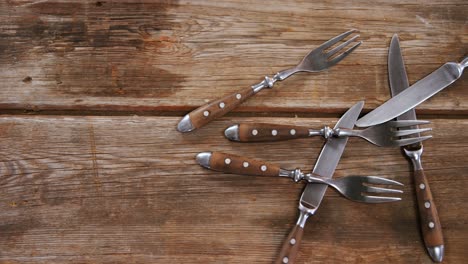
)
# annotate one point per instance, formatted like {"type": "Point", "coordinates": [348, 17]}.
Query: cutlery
{"type": "Point", "coordinates": [313, 193]}
{"type": "Point", "coordinates": [354, 188]}
{"type": "Point", "coordinates": [383, 135]}
{"type": "Point", "coordinates": [415, 94]}
{"type": "Point", "coordinates": [317, 60]}
{"type": "Point", "coordinates": [428, 216]}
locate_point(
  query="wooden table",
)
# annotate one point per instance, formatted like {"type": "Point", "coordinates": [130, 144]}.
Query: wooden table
{"type": "Point", "coordinates": [92, 169]}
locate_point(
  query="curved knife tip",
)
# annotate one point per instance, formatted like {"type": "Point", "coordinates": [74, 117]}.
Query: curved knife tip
{"type": "Point", "coordinates": [436, 253]}
{"type": "Point", "coordinates": [232, 133]}
{"type": "Point", "coordinates": [203, 158]}
{"type": "Point", "coordinates": [185, 125]}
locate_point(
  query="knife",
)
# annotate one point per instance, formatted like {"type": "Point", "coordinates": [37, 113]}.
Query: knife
{"type": "Point", "coordinates": [428, 216]}
{"type": "Point", "coordinates": [313, 193]}
{"type": "Point", "coordinates": [414, 95]}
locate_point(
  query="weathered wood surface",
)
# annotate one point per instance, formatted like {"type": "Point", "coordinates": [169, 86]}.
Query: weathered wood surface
{"type": "Point", "coordinates": [176, 55]}
{"type": "Point", "coordinates": [128, 190]}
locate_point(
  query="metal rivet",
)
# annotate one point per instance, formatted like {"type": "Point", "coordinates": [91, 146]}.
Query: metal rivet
{"type": "Point", "coordinates": [245, 164]}
{"type": "Point", "coordinates": [238, 96]}
{"type": "Point", "coordinates": [254, 132]}
{"type": "Point", "coordinates": [422, 186]}
{"type": "Point", "coordinates": [292, 241]}
{"type": "Point", "coordinates": [263, 167]}
{"type": "Point", "coordinates": [206, 113]}
{"type": "Point", "coordinates": [227, 161]}
{"type": "Point", "coordinates": [274, 132]}
{"type": "Point", "coordinates": [427, 204]}
{"type": "Point", "coordinates": [222, 105]}
{"type": "Point", "coordinates": [285, 260]}
{"type": "Point", "coordinates": [431, 225]}
{"type": "Point", "coordinates": [292, 132]}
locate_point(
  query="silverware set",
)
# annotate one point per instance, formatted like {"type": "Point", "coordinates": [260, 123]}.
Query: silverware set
{"type": "Point", "coordinates": [381, 131]}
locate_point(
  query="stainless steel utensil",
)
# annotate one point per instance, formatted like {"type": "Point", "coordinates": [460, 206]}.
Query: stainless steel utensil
{"type": "Point", "coordinates": [384, 135]}
{"type": "Point", "coordinates": [416, 94]}
{"type": "Point", "coordinates": [313, 193]}
{"type": "Point", "coordinates": [317, 60]}
{"type": "Point", "coordinates": [354, 188]}
{"type": "Point", "coordinates": [428, 216]}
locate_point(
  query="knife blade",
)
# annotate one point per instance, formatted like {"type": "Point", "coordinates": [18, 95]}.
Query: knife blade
{"type": "Point", "coordinates": [313, 193]}
{"type": "Point", "coordinates": [415, 94]}
{"type": "Point", "coordinates": [432, 233]}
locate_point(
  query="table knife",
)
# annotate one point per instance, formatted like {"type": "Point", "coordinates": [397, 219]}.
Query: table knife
{"type": "Point", "coordinates": [313, 193]}
{"type": "Point", "coordinates": [415, 94]}
{"type": "Point", "coordinates": [429, 219]}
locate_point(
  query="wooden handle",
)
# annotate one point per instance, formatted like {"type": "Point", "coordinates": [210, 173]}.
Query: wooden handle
{"type": "Point", "coordinates": [241, 165]}
{"type": "Point", "coordinates": [290, 249]}
{"type": "Point", "coordinates": [429, 218]}
{"type": "Point", "coordinates": [204, 114]}
{"type": "Point", "coordinates": [270, 132]}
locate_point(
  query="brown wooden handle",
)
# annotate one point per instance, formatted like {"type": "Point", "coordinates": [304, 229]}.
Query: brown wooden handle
{"type": "Point", "coordinates": [290, 249]}
{"type": "Point", "coordinates": [206, 113]}
{"type": "Point", "coordinates": [241, 165]}
{"type": "Point", "coordinates": [270, 132]}
{"type": "Point", "coordinates": [429, 218]}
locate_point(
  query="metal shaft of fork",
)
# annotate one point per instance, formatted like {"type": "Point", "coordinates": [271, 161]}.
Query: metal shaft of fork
{"type": "Point", "coordinates": [298, 175]}
{"type": "Point", "coordinates": [346, 132]}
{"type": "Point", "coordinates": [415, 156]}
{"type": "Point", "coordinates": [268, 82]}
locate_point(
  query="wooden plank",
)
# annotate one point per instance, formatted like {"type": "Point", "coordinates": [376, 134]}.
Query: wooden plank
{"type": "Point", "coordinates": [127, 189]}
{"type": "Point", "coordinates": [176, 55]}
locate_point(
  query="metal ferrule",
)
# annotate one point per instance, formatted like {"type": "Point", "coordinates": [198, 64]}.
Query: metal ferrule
{"type": "Point", "coordinates": [337, 132]}
{"type": "Point", "coordinates": [232, 133]}
{"type": "Point", "coordinates": [303, 216]}
{"type": "Point", "coordinates": [415, 156]}
{"type": "Point", "coordinates": [203, 159]}
{"type": "Point", "coordinates": [436, 253]}
{"type": "Point", "coordinates": [325, 132]}
{"type": "Point", "coordinates": [185, 125]}
{"type": "Point", "coordinates": [296, 174]}
{"type": "Point", "coordinates": [266, 83]}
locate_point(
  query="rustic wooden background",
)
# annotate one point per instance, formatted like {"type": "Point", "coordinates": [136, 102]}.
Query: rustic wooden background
{"type": "Point", "coordinates": [92, 169]}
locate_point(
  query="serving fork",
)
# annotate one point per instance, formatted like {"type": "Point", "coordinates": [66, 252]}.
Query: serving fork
{"type": "Point", "coordinates": [383, 135]}
{"type": "Point", "coordinates": [354, 188]}
{"type": "Point", "coordinates": [317, 60]}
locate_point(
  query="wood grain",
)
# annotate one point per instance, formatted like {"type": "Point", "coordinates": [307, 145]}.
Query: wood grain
{"type": "Point", "coordinates": [83, 188]}
{"type": "Point", "coordinates": [178, 55]}
{"type": "Point", "coordinates": [128, 189]}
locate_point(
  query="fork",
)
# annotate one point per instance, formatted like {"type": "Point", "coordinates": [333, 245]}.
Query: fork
{"type": "Point", "coordinates": [383, 135]}
{"type": "Point", "coordinates": [352, 187]}
{"type": "Point", "coordinates": [317, 60]}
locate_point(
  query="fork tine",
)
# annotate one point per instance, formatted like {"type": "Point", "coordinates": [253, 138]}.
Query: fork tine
{"type": "Point", "coordinates": [407, 132]}
{"type": "Point", "coordinates": [404, 123]}
{"type": "Point", "coordinates": [372, 189]}
{"type": "Point", "coordinates": [380, 199]}
{"type": "Point", "coordinates": [334, 40]}
{"type": "Point", "coordinates": [343, 55]}
{"type": "Point", "coordinates": [341, 46]}
{"type": "Point", "coordinates": [380, 180]}
{"type": "Point", "coordinates": [409, 141]}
